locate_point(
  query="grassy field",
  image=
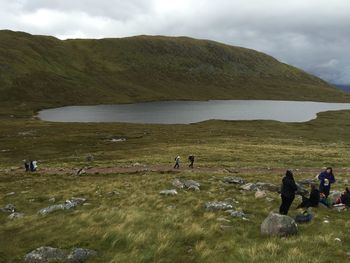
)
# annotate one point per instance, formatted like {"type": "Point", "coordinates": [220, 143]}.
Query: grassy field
{"type": "Point", "coordinates": [137, 224]}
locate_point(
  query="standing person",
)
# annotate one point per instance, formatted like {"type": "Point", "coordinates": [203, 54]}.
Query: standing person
{"type": "Point", "coordinates": [191, 159]}
{"type": "Point", "coordinates": [288, 190]}
{"type": "Point", "coordinates": [177, 162]}
{"type": "Point", "coordinates": [326, 179]}
{"type": "Point", "coordinates": [313, 200]}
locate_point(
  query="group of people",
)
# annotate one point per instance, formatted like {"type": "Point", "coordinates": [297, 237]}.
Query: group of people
{"type": "Point", "coordinates": [30, 166]}
{"type": "Point", "coordinates": [320, 195]}
{"type": "Point", "coordinates": [177, 161]}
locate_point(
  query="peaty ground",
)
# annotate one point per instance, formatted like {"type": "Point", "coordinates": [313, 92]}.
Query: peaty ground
{"type": "Point", "coordinates": [126, 220]}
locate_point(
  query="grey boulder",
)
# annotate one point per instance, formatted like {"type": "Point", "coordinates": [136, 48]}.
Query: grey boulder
{"type": "Point", "coordinates": [218, 205]}
{"type": "Point", "coordinates": [168, 192]}
{"type": "Point", "coordinates": [9, 208]}
{"type": "Point", "coordinates": [233, 180]}
{"type": "Point", "coordinates": [279, 225]}
{"type": "Point", "coordinates": [69, 204]}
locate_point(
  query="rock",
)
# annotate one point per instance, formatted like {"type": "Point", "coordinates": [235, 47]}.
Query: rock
{"type": "Point", "coordinates": [226, 227]}
{"type": "Point", "coordinates": [334, 196]}
{"type": "Point", "coordinates": [345, 181]}
{"type": "Point", "coordinates": [118, 140]}
{"type": "Point", "coordinates": [233, 180]}
{"type": "Point", "coordinates": [168, 192]}
{"type": "Point", "coordinates": [249, 187]}
{"type": "Point", "coordinates": [221, 219]}
{"type": "Point", "coordinates": [80, 255]}
{"type": "Point", "coordinates": [52, 200]}
{"type": "Point", "coordinates": [307, 182]}
{"type": "Point", "coordinates": [69, 204]}
{"type": "Point", "coordinates": [326, 221]}
{"type": "Point", "coordinates": [268, 187]}
{"type": "Point", "coordinates": [15, 215]}
{"type": "Point", "coordinates": [231, 170]}
{"type": "Point", "coordinates": [301, 190]}
{"type": "Point", "coordinates": [218, 205]}
{"type": "Point", "coordinates": [113, 193]}
{"type": "Point", "coordinates": [239, 214]}
{"type": "Point", "coordinates": [81, 171]}
{"type": "Point", "coordinates": [46, 254]}
{"type": "Point", "coordinates": [50, 254]}
{"type": "Point", "coordinates": [278, 225]}
{"type": "Point", "coordinates": [260, 194]}
{"type": "Point", "coordinates": [189, 184]}
{"type": "Point", "coordinates": [178, 184]}
{"type": "Point", "coordinates": [89, 158]}
{"type": "Point", "coordinates": [269, 199]}
{"type": "Point", "coordinates": [337, 239]}
{"type": "Point", "coordinates": [9, 208]}
{"type": "Point", "coordinates": [11, 193]}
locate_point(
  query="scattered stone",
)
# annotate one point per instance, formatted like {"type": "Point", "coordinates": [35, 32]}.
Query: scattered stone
{"type": "Point", "coordinates": [231, 170]}
{"type": "Point", "coordinates": [249, 187]}
{"type": "Point", "coordinates": [238, 214]}
{"type": "Point", "coordinates": [168, 192]}
{"type": "Point", "coordinates": [279, 225]}
{"type": "Point", "coordinates": [52, 200]}
{"type": "Point", "coordinates": [269, 199]}
{"type": "Point", "coordinates": [326, 221]}
{"type": "Point", "coordinates": [9, 208]}
{"type": "Point", "coordinates": [189, 184]}
{"type": "Point", "coordinates": [11, 193]}
{"type": "Point", "coordinates": [268, 187]}
{"type": "Point", "coordinates": [337, 239]}
{"type": "Point", "coordinates": [69, 204]}
{"type": "Point", "coordinates": [178, 184]}
{"type": "Point", "coordinates": [221, 219]}
{"type": "Point", "coordinates": [118, 140]}
{"type": "Point", "coordinates": [218, 205]}
{"type": "Point", "coordinates": [260, 194]}
{"type": "Point", "coordinates": [233, 180]}
{"type": "Point", "coordinates": [113, 193]}
{"type": "Point", "coordinates": [15, 215]}
{"type": "Point", "coordinates": [49, 254]}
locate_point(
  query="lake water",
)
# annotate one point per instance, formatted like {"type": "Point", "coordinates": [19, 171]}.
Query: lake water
{"type": "Point", "coordinates": [185, 112]}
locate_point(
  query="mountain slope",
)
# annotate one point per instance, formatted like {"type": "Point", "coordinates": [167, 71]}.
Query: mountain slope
{"type": "Point", "coordinates": [42, 71]}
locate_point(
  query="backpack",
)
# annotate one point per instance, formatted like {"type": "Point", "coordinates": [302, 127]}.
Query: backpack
{"type": "Point", "coordinates": [304, 217]}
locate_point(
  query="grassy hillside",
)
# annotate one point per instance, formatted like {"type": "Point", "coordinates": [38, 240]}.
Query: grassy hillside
{"type": "Point", "coordinates": [42, 71]}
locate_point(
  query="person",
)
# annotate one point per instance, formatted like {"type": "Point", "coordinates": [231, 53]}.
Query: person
{"type": "Point", "coordinates": [177, 162]}
{"type": "Point", "coordinates": [313, 200]}
{"type": "Point", "coordinates": [345, 197]}
{"type": "Point", "coordinates": [288, 190]}
{"type": "Point", "coordinates": [26, 165]}
{"type": "Point", "coordinates": [191, 159]}
{"type": "Point", "coordinates": [33, 166]}
{"type": "Point", "coordinates": [326, 180]}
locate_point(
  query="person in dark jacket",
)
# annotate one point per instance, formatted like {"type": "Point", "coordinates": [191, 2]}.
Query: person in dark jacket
{"type": "Point", "coordinates": [191, 160]}
{"type": "Point", "coordinates": [287, 192]}
{"type": "Point", "coordinates": [326, 180]}
{"type": "Point", "coordinates": [313, 200]}
{"type": "Point", "coordinates": [345, 197]}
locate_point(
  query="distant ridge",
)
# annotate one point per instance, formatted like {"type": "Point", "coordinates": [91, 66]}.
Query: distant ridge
{"type": "Point", "coordinates": [43, 71]}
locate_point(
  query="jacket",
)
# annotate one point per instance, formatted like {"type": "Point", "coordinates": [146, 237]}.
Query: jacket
{"type": "Point", "coordinates": [289, 187]}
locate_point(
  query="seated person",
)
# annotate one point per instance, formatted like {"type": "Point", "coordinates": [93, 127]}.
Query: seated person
{"type": "Point", "coordinates": [345, 197]}
{"type": "Point", "coordinates": [313, 200]}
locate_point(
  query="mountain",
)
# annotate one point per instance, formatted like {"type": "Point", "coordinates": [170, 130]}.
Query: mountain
{"type": "Point", "coordinates": [343, 87]}
{"type": "Point", "coordinates": [43, 71]}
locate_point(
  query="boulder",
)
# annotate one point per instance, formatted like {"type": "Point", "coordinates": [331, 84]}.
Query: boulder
{"type": "Point", "coordinates": [279, 225]}
{"type": "Point", "coordinates": [16, 215]}
{"type": "Point", "coordinates": [189, 184]}
{"type": "Point", "coordinates": [249, 187]}
{"type": "Point", "coordinates": [260, 194]}
{"type": "Point", "coordinates": [69, 204]}
{"type": "Point", "coordinates": [301, 190]}
{"type": "Point", "coordinates": [268, 187]}
{"type": "Point", "coordinates": [233, 180]}
{"type": "Point", "coordinates": [238, 214]}
{"type": "Point", "coordinates": [168, 192]}
{"type": "Point", "coordinates": [218, 205]}
{"type": "Point", "coordinates": [178, 184]}
{"type": "Point", "coordinates": [9, 208]}
{"type": "Point", "coordinates": [51, 254]}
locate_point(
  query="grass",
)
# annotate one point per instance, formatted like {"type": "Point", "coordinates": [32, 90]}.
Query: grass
{"type": "Point", "coordinates": [40, 71]}
{"type": "Point", "coordinates": [139, 225]}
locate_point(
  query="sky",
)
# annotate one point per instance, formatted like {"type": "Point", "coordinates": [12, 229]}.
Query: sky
{"type": "Point", "coordinates": [311, 34]}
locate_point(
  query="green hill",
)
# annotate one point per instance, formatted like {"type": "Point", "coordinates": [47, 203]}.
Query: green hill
{"type": "Point", "coordinates": [42, 71]}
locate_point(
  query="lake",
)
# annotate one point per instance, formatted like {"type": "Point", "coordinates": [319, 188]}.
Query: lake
{"type": "Point", "coordinates": [185, 112]}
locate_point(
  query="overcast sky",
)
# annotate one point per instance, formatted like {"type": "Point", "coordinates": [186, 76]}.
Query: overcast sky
{"type": "Point", "coordinates": [311, 34]}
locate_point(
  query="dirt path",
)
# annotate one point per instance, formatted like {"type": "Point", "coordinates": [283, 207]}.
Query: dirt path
{"type": "Point", "coordinates": [168, 169]}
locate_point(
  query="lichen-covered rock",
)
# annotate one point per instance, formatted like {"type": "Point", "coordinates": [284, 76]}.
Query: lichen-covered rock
{"type": "Point", "coordinates": [69, 204]}
{"type": "Point", "coordinates": [9, 208]}
{"type": "Point", "coordinates": [233, 180]}
{"type": "Point", "coordinates": [279, 225]}
{"type": "Point", "coordinates": [51, 254]}
{"type": "Point", "coordinates": [260, 194]}
{"type": "Point", "coordinates": [16, 215]}
{"type": "Point", "coordinates": [238, 214]}
{"type": "Point", "coordinates": [249, 187]}
{"type": "Point", "coordinates": [168, 192]}
{"type": "Point", "coordinates": [178, 184]}
{"type": "Point", "coordinates": [218, 205]}
{"type": "Point", "coordinates": [191, 184]}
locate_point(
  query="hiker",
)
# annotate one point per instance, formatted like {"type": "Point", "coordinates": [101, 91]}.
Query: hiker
{"type": "Point", "coordinates": [288, 190]}
{"type": "Point", "coordinates": [177, 162]}
{"type": "Point", "coordinates": [313, 200]}
{"type": "Point", "coordinates": [33, 166]}
{"type": "Point", "coordinates": [191, 159]}
{"type": "Point", "coordinates": [326, 179]}
{"type": "Point", "coordinates": [26, 165]}
{"type": "Point", "coordinates": [345, 197]}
